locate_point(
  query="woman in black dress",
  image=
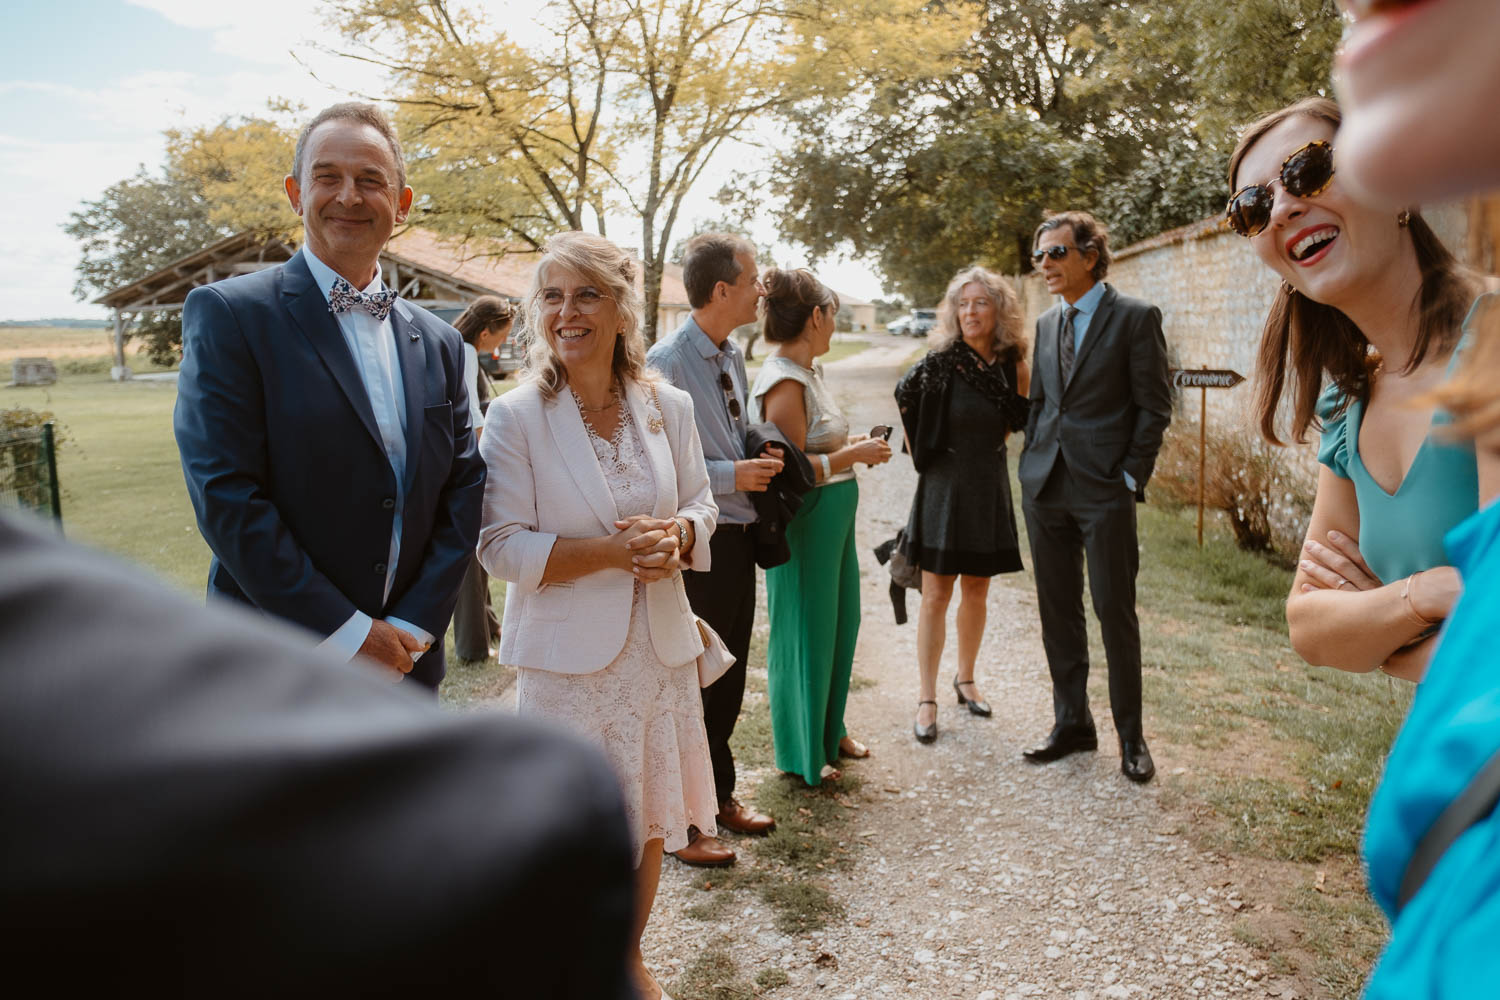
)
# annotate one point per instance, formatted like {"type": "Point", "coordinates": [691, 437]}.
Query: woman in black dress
{"type": "Point", "coordinates": [958, 405]}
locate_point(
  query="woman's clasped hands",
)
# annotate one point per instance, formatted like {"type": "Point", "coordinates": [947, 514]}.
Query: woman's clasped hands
{"type": "Point", "coordinates": [649, 547]}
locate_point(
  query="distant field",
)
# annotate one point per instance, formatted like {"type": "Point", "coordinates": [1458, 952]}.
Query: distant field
{"type": "Point", "coordinates": [53, 342]}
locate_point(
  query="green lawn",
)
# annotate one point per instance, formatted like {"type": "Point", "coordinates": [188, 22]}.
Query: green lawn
{"type": "Point", "coordinates": [122, 484]}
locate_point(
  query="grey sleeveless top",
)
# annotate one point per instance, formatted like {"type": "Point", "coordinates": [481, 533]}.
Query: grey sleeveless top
{"type": "Point", "coordinates": [827, 427]}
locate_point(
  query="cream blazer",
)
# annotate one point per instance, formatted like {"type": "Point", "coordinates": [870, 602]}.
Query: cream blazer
{"type": "Point", "coordinates": [544, 484]}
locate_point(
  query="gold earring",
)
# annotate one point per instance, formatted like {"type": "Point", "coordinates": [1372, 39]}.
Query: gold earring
{"type": "Point", "coordinates": [1403, 218]}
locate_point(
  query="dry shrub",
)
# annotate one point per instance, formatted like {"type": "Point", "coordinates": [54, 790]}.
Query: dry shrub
{"type": "Point", "coordinates": [1264, 497]}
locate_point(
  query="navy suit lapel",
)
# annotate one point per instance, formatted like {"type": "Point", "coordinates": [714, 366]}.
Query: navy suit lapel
{"type": "Point", "coordinates": [310, 313]}
{"type": "Point", "coordinates": [411, 348]}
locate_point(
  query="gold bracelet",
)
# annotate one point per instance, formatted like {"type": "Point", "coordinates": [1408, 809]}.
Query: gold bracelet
{"type": "Point", "coordinates": [1411, 608]}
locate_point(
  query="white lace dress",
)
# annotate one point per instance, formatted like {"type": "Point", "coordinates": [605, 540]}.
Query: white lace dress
{"type": "Point", "coordinates": [647, 717]}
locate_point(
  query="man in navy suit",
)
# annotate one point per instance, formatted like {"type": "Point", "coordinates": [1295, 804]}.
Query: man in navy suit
{"type": "Point", "coordinates": [323, 424]}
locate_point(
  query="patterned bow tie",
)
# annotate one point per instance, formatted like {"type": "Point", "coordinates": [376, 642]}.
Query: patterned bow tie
{"type": "Point", "coordinates": [343, 298]}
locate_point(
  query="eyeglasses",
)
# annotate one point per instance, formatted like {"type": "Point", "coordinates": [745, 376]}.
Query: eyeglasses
{"type": "Point", "coordinates": [727, 384]}
{"type": "Point", "coordinates": [1057, 252]}
{"type": "Point", "coordinates": [586, 300]}
{"type": "Point", "coordinates": [1305, 174]}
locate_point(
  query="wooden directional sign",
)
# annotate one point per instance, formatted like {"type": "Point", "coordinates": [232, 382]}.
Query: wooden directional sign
{"type": "Point", "coordinates": [1205, 378]}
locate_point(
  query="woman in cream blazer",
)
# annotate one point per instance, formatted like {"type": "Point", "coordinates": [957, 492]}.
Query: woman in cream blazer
{"type": "Point", "coordinates": [597, 497]}
{"type": "Point", "coordinates": [550, 486]}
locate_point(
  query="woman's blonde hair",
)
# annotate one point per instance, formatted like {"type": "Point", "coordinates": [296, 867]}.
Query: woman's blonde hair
{"type": "Point", "coordinates": [1009, 333]}
{"type": "Point", "coordinates": [1472, 396]}
{"type": "Point", "coordinates": [605, 266]}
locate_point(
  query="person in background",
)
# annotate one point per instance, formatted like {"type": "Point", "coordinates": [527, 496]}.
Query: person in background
{"type": "Point", "coordinates": [702, 359]}
{"type": "Point", "coordinates": [813, 599]}
{"type": "Point", "coordinates": [958, 406]}
{"type": "Point", "coordinates": [1374, 303]}
{"type": "Point", "coordinates": [603, 500]}
{"type": "Point", "coordinates": [1420, 83]}
{"type": "Point", "coordinates": [484, 327]}
{"type": "Point", "coordinates": [1100, 403]}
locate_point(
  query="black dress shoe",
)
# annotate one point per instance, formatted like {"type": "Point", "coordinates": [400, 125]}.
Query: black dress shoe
{"type": "Point", "coordinates": [1062, 741]}
{"type": "Point", "coordinates": [975, 706]}
{"type": "Point", "coordinates": [928, 733]}
{"type": "Point", "coordinates": [1135, 761]}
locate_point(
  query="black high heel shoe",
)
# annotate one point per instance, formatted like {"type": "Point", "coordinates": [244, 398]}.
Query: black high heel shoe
{"type": "Point", "coordinates": [975, 706]}
{"type": "Point", "coordinates": [925, 734]}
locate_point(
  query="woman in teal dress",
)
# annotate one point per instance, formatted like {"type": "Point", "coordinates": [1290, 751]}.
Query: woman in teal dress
{"type": "Point", "coordinates": [1444, 928]}
{"type": "Point", "coordinates": [812, 599]}
{"type": "Point", "coordinates": [1372, 302]}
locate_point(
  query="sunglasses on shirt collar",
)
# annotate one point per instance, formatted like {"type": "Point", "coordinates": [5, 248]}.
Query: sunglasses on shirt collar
{"type": "Point", "coordinates": [1305, 174]}
{"type": "Point", "coordinates": [727, 384]}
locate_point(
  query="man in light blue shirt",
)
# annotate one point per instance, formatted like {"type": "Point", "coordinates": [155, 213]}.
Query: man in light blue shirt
{"type": "Point", "coordinates": [324, 425]}
{"type": "Point", "coordinates": [701, 358]}
{"type": "Point", "coordinates": [1100, 402]}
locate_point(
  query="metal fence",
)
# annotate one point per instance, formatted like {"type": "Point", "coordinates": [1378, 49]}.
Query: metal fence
{"type": "Point", "coordinates": [28, 470]}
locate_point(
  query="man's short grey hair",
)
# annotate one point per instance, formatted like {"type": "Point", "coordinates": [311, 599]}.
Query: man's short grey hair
{"type": "Point", "coordinates": [353, 111]}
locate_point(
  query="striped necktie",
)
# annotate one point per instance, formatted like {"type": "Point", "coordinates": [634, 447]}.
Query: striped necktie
{"type": "Point", "coordinates": [1067, 350]}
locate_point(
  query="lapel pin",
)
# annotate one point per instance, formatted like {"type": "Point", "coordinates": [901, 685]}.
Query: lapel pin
{"type": "Point", "coordinates": [414, 337]}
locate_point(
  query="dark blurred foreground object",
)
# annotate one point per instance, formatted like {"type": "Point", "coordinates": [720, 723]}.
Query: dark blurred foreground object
{"type": "Point", "coordinates": [196, 803]}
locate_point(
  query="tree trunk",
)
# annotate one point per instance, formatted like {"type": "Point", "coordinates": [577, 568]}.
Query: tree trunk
{"type": "Point", "coordinates": [651, 278]}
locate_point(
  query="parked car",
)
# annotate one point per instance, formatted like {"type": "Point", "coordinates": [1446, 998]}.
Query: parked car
{"type": "Point", "coordinates": [899, 326]}
{"type": "Point", "coordinates": [922, 321]}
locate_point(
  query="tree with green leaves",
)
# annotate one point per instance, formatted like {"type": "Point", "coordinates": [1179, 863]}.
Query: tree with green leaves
{"type": "Point", "coordinates": [217, 180]}
{"type": "Point", "coordinates": [622, 108]}
{"type": "Point", "coordinates": [1125, 108]}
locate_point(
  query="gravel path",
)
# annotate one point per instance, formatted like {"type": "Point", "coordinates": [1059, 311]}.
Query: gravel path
{"type": "Point", "coordinates": [979, 875]}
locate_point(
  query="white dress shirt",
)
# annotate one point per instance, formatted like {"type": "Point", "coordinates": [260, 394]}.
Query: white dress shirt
{"type": "Point", "coordinates": [373, 346]}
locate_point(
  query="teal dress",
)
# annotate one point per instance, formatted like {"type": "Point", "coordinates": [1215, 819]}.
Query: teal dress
{"type": "Point", "coordinates": [1443, 942]}
{"type": "Point", "coordinates": [1402, 533]}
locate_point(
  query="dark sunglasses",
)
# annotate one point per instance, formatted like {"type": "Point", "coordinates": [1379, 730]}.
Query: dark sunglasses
{"type": "Point", "coordinates": [727, 384]}
{"type": "Point", "coordinates": [1057, 252]}
{"type": "Point", "coordinates": [1305, 174]}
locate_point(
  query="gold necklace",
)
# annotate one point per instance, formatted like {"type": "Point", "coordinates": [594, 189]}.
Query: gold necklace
{"type": "Point", "coordinates": [614, 400]}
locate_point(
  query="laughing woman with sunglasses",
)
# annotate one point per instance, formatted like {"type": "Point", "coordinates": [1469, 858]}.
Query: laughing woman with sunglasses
{"type": "Point", "coordinates": [1372, 301]}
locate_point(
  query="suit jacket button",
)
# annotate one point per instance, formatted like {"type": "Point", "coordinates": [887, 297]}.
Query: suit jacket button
{"type": "Point", "coordinates": [379, 567]}
{"type": "Point", "coordinates": [388, 504]}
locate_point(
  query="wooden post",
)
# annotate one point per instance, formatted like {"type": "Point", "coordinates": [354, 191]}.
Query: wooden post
{"type": "Point", "coordinates": [119, 372]}
{"type": "Point", "coordinates": [1202, 453]}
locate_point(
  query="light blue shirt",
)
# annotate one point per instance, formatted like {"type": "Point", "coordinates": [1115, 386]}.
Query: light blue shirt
{"type": "Point", "coordinates": [1087, 305]}
{"type": "Point", "coordinates": [372, 343]}
{"type": "Point", "coordinates": [693, 363]}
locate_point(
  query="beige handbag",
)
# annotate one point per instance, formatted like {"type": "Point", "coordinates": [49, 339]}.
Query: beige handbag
{"type": "Point", "coordinates": [715, 658]}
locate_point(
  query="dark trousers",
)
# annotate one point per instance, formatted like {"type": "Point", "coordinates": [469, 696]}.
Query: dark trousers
{"type": "Point", "coordinates": [1062, 532]}
{"type": "Point", "coordinates": [725, 598]}
{"type": "Point", "coordinates": [474, 623]}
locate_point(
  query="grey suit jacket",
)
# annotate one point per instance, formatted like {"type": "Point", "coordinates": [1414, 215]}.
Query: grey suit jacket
{"type": "Point", "coordinates": [1108, 418]}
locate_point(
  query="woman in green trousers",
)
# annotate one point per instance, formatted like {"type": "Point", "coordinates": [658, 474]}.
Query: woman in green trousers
{"type": "Point", "coordinates": [813, 599]}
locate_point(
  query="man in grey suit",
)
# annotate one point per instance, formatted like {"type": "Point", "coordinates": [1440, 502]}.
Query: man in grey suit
{"type": "Point", "coordinates": [1100, 401]}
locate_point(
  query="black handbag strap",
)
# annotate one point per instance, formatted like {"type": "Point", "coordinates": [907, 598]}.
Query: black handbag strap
{"type": "Point", "coordinates": [1475, 803]}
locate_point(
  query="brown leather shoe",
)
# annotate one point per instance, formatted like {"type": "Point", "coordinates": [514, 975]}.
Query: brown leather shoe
{"type": "Point", "coordinates": [738, 818]}
{"type": "Point", "coordinates": [706, 852]}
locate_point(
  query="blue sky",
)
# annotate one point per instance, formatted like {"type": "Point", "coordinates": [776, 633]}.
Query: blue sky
{"type": "Point", "coordinates": [88, 86]}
